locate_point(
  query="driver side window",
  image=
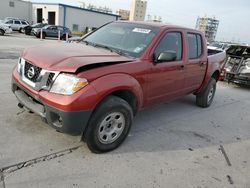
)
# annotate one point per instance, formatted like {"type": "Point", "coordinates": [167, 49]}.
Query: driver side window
{"type": "Point", "coordinates": [172, 41]}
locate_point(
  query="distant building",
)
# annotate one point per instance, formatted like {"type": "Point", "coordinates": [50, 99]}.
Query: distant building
{"type": "Point", "coordinates": [154, 18]}
{"type": "Point", "coordinates": [100, 9]}
{"type": "Point", "coordinates": [75, 18]}
{"type": "Point", "coordinates": [16, 8]}
{"type": "Point", "coordinates": [124, 14]}
{"type": "Point", "coordinates": [138, 10]}
{"type": "Point", "coordinates": [209, 26]}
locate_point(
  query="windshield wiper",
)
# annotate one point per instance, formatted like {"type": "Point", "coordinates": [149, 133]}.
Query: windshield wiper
{"type": "Point", "coordinates": [120, 52]}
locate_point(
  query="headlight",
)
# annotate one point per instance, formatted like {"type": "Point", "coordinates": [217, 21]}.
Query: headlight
{"type": "Point", "coordinates": [20, 63]}
{"type": "Point", "coordinates": [67, 84]}
{"type": "Point", "coordinates": [247, 64]}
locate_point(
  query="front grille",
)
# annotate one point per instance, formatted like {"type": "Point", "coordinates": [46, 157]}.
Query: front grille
{"type": "Point", "coordinates": [234, 68]}
{"type": "Point", "coordinates": [50, 79]}
{"type": "Point", "coordinates": [31, 72]}
{"type": "Point", "coordinates": [235, 63]}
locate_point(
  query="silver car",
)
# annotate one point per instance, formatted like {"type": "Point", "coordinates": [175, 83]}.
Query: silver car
{"type": "Point", "coordinates": [4, 29]}
{"type": "Point", "coordinates": [17, 24]}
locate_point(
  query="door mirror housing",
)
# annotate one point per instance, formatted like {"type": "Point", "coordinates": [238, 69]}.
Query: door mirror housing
{"type": "Point", "coordinates": [166, 56]}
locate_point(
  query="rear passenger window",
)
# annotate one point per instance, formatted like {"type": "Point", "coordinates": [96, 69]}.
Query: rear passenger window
{"type": "Point", "coordinates": [9, 22]}
{"type": "Point", "coordinates": [194, 45]}
{"type": "Point", "coordinates": [172, 41]}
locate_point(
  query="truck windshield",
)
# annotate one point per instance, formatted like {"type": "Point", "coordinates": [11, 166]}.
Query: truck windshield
{"type": "Point", "coordinates": [127, 38]}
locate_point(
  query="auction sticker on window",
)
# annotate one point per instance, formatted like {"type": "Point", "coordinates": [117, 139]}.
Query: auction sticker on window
{"type": "Point", "coordinates": [141, 30]}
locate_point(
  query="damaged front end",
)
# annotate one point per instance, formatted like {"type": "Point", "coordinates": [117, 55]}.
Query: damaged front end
{"type": "Point", "coordinates": [237, 67]}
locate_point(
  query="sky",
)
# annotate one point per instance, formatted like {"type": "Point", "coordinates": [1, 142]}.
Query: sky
{"type": "Point", "coordinates": [234, 15]}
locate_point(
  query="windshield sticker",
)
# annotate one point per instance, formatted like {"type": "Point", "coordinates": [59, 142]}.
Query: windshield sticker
{"type": "Point", "coordinates": [141, 30]}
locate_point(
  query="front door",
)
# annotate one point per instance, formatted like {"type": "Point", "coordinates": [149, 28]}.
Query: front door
{"type": "Point", "coordinates": [39, 15]}
{"type": "Point", "coordinates": [166, 79]}
{"type": "Point", "coordinates": [52, 31]}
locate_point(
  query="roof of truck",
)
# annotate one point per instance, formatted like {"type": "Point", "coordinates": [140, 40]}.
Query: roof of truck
{"type": "Point", "coordinates": [157, 24]}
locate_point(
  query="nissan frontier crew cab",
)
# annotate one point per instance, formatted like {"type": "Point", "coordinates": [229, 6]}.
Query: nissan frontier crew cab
{"type": "Point", "coordinates": [95, 87]}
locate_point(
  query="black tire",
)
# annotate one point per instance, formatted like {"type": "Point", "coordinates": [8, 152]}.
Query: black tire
{"type": "Point", "coordinates": [205, 98]}
{"type": "Point", "coordinates": [103, 113]}
{"type": "Point", "coordinates": [63, 37]}
{"type": "Point", "coordinates": [1, 32]}
{"type": "Point", "coordinates": [39, 35]}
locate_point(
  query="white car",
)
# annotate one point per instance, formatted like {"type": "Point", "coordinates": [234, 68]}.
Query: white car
{"type": "Point", "coordinates": [4, 28]}
{"type": "Point", "coordinates": [17, 24]}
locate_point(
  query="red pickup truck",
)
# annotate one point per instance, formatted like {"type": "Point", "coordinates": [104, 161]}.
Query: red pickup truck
{"type": "Point", "coordinates": [95, 87]}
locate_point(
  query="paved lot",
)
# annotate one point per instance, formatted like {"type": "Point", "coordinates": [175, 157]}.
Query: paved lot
{"type": "Point", "coordinates": [170, 145]}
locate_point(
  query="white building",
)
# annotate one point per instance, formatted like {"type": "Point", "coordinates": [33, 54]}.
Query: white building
{"type": "Point", "coordinates": [75, 18]}
{"type": "Point", "coordinates": [16, 8]}
{"type": "Point", "coordinates": [138, 10]}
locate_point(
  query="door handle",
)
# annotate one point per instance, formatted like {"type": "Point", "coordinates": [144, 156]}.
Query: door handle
{"type": "Point", "coordinates": [182, 67]}
{"type": "Point", "coordinates": [203, 64]}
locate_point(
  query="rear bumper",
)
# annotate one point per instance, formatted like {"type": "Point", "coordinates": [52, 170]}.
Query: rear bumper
{"type": "Point", "coordinates": [71, 122]}
{"type": "Point", "coordinates": [238, 79]}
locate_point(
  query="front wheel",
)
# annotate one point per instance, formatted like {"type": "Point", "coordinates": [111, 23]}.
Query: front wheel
{"type": "Point", "coordinates": [109, 125]}
{"type": "Point", "coordinates": [205, 98]}
{"type": "Point", "coordinates": [1, 32]}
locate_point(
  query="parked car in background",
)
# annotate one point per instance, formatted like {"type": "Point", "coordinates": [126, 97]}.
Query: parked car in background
{"type": "Point", "coordinates": [4, 29]}
{"type": "Point", "coordinates": [75, 39]}
{"type": "Point", "coordinates": [52, 31]}
{"type": "Point", "coordinates": [17, 24]}
{"type": "Point", "coordinates": [28, 28]}
{"type": "Point", "coordinates": [218, 46]}
{"type": "Point", "coordinates": [237, 65]}
{"type": "Point", "coordinates": [96, 87]}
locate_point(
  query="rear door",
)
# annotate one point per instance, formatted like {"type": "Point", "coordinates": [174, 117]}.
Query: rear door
{"type": "Point", "coordinates": [17, 24]}
{"type": "Point", "coordinates": [166, 79]}
{"type": "Point", "coordinates": [52, 31]}
{"type": "Point", "coordinates": [197, 62]}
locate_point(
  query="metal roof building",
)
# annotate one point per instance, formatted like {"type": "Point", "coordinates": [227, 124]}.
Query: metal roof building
{"type": "Point", "coordinates": [75, 18]}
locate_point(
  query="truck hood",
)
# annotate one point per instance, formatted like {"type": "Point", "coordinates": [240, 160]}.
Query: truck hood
{"type": "Point", "coordinates": [70, 57]}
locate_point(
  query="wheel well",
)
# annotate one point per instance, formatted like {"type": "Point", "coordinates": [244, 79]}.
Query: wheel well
{"type": "Point", "coordinates": [216, 75]}
{"type": "Point", "coordinates": [129, 97]}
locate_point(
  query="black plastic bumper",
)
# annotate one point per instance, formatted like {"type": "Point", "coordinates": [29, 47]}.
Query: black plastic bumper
{"type": "Point", "coordinates": [238, 79]}
{"type": "Point", "coordinates": [71, 122]}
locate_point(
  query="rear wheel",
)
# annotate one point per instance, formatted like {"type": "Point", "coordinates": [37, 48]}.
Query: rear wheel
{"type": "Point", "coordinates": [205, 98]}
{"type": "Point", "coordinates": [1, 32]}
{"type": "Point", "coordinates": [109, 125]}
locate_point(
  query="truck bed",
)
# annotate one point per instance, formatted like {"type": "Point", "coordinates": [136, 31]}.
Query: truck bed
{"type": "Point", "coordinates": [215, 56]}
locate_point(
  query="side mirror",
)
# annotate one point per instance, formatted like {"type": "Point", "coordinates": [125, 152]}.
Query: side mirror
{"type": "Point", "coordinates": [166, 56]}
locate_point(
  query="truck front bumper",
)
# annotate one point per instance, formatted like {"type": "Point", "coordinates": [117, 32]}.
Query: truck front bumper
{"type": "Point", "coordinates": [71, 122]}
